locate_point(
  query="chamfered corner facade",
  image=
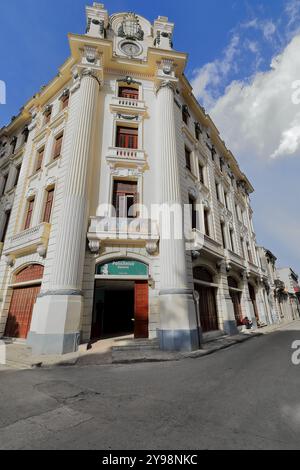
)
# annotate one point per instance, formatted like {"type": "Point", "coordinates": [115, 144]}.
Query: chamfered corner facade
{"type": "Point", "coordinates": [88, 169]}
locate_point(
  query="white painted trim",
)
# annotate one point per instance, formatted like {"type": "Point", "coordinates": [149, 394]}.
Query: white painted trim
{"type": "Point", "coordinates": [122, 278]}
{"type": "Point", "coordinates": [207, 284]}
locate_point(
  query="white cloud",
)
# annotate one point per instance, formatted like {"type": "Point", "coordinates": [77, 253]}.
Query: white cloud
{"type": "Point", "coordinates": [214, 73]}
{"type": "Point", "coordinates": [267, 27]}
{"type": "Point", "coordinates": [258, 116]}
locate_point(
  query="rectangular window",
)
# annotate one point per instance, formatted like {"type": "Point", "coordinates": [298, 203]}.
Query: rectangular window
{"type": "Point", "coordinates": [223, 235]}
{"type": "Point", "coordinates": [237, 212]}
{"type": "Point", "coordinates": [242, 247]}
{"type": "Point", "coordinates": [250, 257]}
{"type": "Point", "coordinates": [29, 213]}
{"type": "Point", "coordinates": [130, 93]}
{"type": "Point", "coordinates": [48, 205]}
{"type": "Point", "coordinates": [127, 137]}
{"type": "Point", "coordinates": [18, 169]}
{"type": "Point", "coordinates": [218, 191]}
{"type": "Point", "coordinates": [232, 247]}
{"type": "Point", "coordinates": [40, 158]}
{"type": "Point", "coordinates": [185, 114]}
{"type": "Point", "coordinates": [58, 146]}
{"type": "Point", "coordinates": [124, 198]}
{"type": "Point", "coordinates": [13, 145]}
{"type": "Point", "coordinates": [6, 222]}
{"type": "Point", "coordinates": [193, 210]}
{"type": "Point", "coordinates": [65, 101]}
{"type": "Point", "coordinates": [47, 117]}
{"type": "Point", "coordinates": [197, 131]}
{"type": "Point", "coordinates": [188, 155]}
{"type": "Point", "coordinates": [201, 173]}
{"type": "Point", "coordinates": [226, 197]}
{"type": "Point", "coordinates": [206, 222]}
{"type": "Point", "coordinates": [5, 178]}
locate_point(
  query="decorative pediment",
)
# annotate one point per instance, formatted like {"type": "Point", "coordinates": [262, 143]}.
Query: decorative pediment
{"type": "Point", "coordinates": [130, 28]}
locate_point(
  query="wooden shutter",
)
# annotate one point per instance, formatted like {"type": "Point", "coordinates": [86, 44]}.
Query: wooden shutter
{"type": "Point", "coordinates": [30, 273]}
{"type": "Point", "coordinates": [58, 146]}
{"type": "Point", "coordinates": [141, 309]}
{"type": "Point", "coordinates": [48, 206]}
{"type": "Point", "coordinates": [127, 137]}
{"type": "Point", "coordinates": [40, 158]}
{"type": "Point", "coordinates": [29, 214]}
{"type": "Point", "coordinates": [206, 223]}
{"type": "Point", "coordinates": [65, 101]}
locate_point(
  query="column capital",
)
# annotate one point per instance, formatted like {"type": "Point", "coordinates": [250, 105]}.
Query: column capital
{"type": "Point", "coordinates": [171, 84]}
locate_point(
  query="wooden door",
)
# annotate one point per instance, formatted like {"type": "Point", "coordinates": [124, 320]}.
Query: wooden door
{"type": "Point", "coordinates": [236, 300]}
{"type": "Point", "coordinates": [20, 311]}
{"type": "Point", "coordinates": [207, 308]}
{"type": "Point", "coordinates": [253, 300]}
{"type": "Point", "coordinates": [141, 309]}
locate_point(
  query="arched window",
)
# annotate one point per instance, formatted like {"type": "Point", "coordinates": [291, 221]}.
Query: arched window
{"type": "Point", "coordinates": [32, 272]}
{"type": "Point", "coordinates": [232, 282]}
{"type": "Point", "coordinates": [203, 274]}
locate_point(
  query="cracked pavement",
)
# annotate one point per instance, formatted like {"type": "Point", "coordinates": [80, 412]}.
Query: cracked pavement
{"type": "Point", "coordinates": [244, 397]}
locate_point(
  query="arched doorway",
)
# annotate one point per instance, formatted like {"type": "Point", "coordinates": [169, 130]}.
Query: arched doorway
{"type": "Point", "coordinates": [235, 295]}
{"type": "Point", "coordinates": [203, 280]}
{"type": "Point", "coordinates": [23, 299]}
{"type": "Point", "coordinates": [121, 299]}
{"type": "Point", "coordinates": [254, 304]}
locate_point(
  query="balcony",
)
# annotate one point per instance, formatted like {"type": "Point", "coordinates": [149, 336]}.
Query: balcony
{"type": "Point", "coordinates": [112, 229]}
{"type": "Point", "coordinates": [30, 240]}
{"type": "Point", "coordinates": [203, 242]}
{"type": "Point", "coordinates": [132, 156]}
{"type": "Point", "coordinates": [128, 106]}
{"type": "Point", "coordinates": [235, 259]}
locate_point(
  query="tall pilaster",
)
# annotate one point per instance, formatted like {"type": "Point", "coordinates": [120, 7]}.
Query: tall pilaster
{"type": "Point", "coordinates": [178, 325]}
{"type": "Point", "coordinates": [57, 313]}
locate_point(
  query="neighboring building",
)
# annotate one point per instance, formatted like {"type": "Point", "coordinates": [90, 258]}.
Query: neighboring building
{"type": "Point", "coordinates": [119, 126]}
{"type": "Point", "coordinates": [291, 291]}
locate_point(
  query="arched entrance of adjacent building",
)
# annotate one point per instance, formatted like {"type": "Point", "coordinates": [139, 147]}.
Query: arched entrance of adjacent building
{"type": "Point", "coordinates": [235, 295]}
{"type": "Point", "coordinates": [121, 299]}
{"type": "Point", "coordinates": [25, 289]}
{"type": "Point", "coordinates": [254, 304]}
{"type": "Point", "coordinates": [203, 280]}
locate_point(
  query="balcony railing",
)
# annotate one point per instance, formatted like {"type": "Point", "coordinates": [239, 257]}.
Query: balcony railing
{"type": "Point", "coordinates": [130, 105]}
{"type": "Point", "coordinates": [122, 229]}
{"type": "Point", "coordinates": [203, 242]}
{"type": "Point", "coordinates": [28, 241]}
{"type": "Point", "coordinates": [130, 155]}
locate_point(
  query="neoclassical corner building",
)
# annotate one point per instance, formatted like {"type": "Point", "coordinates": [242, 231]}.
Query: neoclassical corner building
{"type": "Point", "coordinates": [119, 128]}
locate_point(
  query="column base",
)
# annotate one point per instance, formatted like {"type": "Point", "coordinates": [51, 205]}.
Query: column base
{"type": "Point", "coordinates": [55, 326]}
{"type": "Point", "coordinates": [178, 330]}
{"type": "Point", "coordinates": [230, 327]}
{"type": "Point", "coordinates": [179, 340]}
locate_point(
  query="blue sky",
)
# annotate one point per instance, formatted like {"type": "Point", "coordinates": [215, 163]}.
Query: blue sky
{"type": "Point", "coordinates": [231, 44]}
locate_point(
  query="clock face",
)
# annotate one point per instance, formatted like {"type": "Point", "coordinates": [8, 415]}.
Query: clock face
{"type": "Point", "coordinates": [130, 48]}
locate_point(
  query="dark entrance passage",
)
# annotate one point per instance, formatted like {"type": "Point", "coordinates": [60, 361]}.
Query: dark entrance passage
{"type": "Point", "coordinates": [113, 309]}
{"type": "Point", "coordinates": [207, 300]}
{"type": "Point", "coordinates": [121, 308]}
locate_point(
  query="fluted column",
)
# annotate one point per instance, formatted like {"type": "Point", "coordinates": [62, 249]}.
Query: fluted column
{"type": "Point", "coordinates": [57, 313]}
{"type": "Point", "coordinates": [178, 325]}
{"type": "Point", "coordinates": [67, 271]}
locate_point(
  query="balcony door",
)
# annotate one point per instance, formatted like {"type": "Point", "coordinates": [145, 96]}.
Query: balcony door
{"type": "Point", "coordinates": [125, 196]}
{"type": "Point", "coordinates": [127, 137]}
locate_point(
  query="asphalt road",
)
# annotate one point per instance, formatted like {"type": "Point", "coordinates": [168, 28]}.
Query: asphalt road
{"type": "Point", "coordinates": [245, 397]}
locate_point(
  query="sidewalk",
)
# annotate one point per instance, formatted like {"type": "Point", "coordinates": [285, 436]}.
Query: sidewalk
{"type": "Point", "coordinates": [122, 350]}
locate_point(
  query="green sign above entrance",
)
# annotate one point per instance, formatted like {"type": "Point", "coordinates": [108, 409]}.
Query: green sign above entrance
{"type": "Point", "coordinates": [122, 268]}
